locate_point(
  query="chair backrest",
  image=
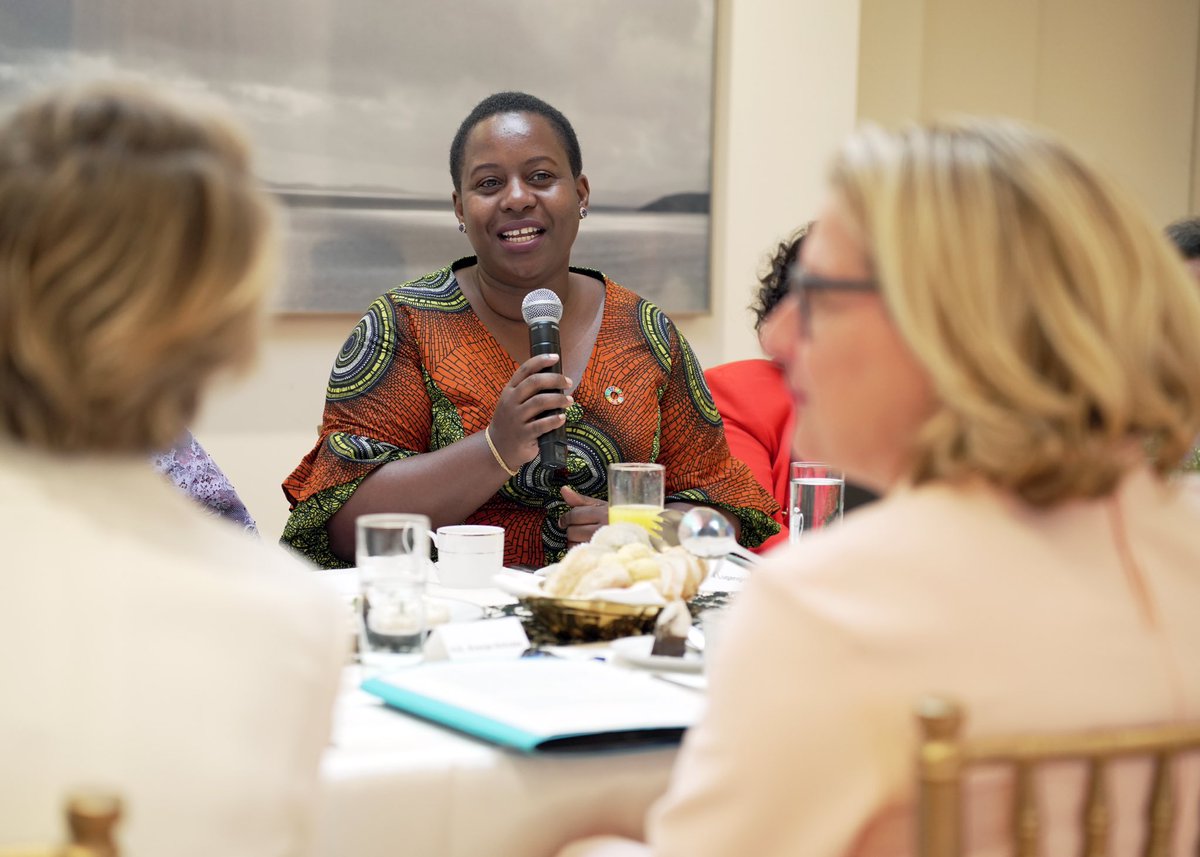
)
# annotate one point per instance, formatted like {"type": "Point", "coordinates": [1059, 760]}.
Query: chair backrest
{"type": "Point", "coordinates": [945, 758]}
{"type": "Point", "coordinates": [91, 820]}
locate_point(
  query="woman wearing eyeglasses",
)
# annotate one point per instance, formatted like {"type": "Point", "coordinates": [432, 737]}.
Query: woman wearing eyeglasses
{"type": "Point", "coordinates": [756, 407]}
{"type": "Point", "coordinates": [986, 331]}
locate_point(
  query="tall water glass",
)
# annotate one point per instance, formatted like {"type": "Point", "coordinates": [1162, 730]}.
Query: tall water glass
{"type": "Point", "coordinates": [635, 494]}
{"type": "Point", "coordinates": [815, 497]}
{"type": "Point", "coordinates": [392, 555]}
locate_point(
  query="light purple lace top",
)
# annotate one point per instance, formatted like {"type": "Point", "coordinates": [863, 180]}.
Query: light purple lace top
{"type": "Point", "coordinates": [193, 470]}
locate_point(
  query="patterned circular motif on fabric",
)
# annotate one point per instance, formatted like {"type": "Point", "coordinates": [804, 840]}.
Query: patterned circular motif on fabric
{"type": "Point", "coordinates": [432, 280]}
{"type": "Point", "coordinates": [697, 386]}
{"type": "Point", "coordinates": [656, 327]}
{"type": "Point", "coordinates": [526, 488]}
{"type": "Point", "coordinates": [543, 481]}
{"type": "Point", "coordinates": [353, 447]}
{"type": "Point", "coordinates": [589, 452]}
{"type": "Point", "coordinates": [615, 395]}
{"type": "Point", "coordinates": [438, 291]}
{"type": "Point", "coordinates": [554, 537]}
{"type": "Point", "coordinates": [367, 354]}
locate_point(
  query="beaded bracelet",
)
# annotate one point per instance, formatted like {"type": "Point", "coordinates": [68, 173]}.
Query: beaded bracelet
{"type": "Point", "coordinates": [487, 435]}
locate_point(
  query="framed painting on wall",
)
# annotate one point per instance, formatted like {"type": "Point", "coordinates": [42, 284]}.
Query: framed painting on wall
{"type": "Point", "coordinates": [352, 105]}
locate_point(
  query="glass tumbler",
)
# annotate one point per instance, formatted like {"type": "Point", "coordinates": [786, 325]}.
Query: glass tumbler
{"type": "Point", "coordinates": [392, 555]}
{"type": "Point", "coordinates": [635, 494]}
{"type": "Point", "coordinates": [815, 497]}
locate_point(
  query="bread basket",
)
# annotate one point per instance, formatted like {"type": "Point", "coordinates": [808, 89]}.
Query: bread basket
{"type": "Point", "coordinates": [571, 620]}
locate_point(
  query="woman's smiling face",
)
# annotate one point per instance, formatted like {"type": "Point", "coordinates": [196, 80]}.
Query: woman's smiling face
{"type": "Point", "coordinates": [518, 198]}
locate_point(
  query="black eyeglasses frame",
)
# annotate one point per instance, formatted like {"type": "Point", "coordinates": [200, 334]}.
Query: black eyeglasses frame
{"type": "Point", "coordinates": [801, 283]}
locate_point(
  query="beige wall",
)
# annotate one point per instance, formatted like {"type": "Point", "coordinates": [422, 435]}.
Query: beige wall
{"type": "Point", "coordinates": [1116, 77]}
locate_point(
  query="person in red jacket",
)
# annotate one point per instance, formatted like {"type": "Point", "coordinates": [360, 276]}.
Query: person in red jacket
{"type": "Point", "coordinates": [754, 402]}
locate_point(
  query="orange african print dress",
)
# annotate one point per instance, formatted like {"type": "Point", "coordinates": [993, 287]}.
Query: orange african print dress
{"type": "Point", "coordinates": [420, 371]}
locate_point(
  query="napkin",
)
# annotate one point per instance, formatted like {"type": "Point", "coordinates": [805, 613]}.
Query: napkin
{"type": "Point", "coordinates": [525, 585]}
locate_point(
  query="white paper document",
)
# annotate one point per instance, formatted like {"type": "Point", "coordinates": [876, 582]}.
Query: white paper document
{"type": "Point", "coordinates": [543, 704]}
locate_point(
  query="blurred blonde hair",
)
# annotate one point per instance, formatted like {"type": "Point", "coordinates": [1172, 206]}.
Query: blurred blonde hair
{"type": "Point", "coordinates": [1060, 330]}
{"type": "Point", "coordinates": [135, 251]}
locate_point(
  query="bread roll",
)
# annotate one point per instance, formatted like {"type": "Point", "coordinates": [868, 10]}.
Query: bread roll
{"type": "Point", "coordinates": [617, 557]}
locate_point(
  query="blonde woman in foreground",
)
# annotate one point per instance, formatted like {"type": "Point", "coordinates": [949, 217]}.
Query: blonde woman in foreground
{"type": "Point", "coordinates": [145, 647]}
{"type": "Point", "coordinates": [986, 331]}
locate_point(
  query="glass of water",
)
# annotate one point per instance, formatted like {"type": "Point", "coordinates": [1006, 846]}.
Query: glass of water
{"type": "Point", "coordinates": [815, 497]}
{"type": "Point", "coordinates": [392, 555]}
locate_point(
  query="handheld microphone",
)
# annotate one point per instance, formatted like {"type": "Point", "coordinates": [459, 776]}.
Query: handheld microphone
{"type": "Point", "coordinates": [542, 311]}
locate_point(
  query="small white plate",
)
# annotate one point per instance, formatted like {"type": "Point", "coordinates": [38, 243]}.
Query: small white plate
{"type": "Point", "coordinates": [442, 609]}
{"type": "Point", "coordinates": [455, 610]}
{"type": "Point", "coordinates": [636, 651]}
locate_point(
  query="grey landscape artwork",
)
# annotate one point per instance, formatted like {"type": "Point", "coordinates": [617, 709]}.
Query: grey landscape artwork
{"type": "Point", "coordinates": [352, 105]}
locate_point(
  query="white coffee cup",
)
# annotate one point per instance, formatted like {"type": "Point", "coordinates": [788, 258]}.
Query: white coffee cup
{"type": "Point", "coordinates": [469, 555]}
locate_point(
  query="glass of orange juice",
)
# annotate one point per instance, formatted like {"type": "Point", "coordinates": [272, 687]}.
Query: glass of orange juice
{"type": "Point", "coordinates": [635, 494]}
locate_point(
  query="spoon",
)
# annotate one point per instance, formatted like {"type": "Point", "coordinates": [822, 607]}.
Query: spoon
{"type": "Point", "coordinates": [706, 532]}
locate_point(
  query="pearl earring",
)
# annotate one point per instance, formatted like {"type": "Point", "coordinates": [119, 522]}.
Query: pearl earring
{"type": "Point", "coordinates": [582, 212]}
{"type": "Point", "coordinates": [462, 227]}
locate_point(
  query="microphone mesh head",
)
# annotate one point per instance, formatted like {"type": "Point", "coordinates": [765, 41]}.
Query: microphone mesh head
{"type": "Point", "coordinates": [541, 305]}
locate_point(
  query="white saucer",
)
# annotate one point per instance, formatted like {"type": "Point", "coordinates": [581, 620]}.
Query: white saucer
{"type": "Point", "coordinates": [636, 651]}
{"type": "Point", "coordinates": [345, 582]}
{"type": "Point", "coordinates": [459, 611]}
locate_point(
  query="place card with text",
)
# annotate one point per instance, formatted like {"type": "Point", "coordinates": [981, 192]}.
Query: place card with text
{"type": "Point", "coordinates": [493, 639]}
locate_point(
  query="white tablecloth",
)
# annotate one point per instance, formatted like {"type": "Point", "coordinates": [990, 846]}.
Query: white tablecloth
{"type": "Point", "coordinates": [395, 785]}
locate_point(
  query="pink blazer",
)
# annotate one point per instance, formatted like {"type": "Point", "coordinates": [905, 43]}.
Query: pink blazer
{"type": "Point", "coordinates": [1083, 615]}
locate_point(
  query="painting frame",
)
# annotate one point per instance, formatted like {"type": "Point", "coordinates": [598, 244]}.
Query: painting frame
{"type": "Point", "coordinates": [351, 107]}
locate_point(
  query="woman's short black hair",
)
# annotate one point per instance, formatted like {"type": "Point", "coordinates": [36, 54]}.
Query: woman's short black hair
{"type": "Point", "coordinates": [773, 282]}
{"type": "Point", "coordinates": [514, 102]}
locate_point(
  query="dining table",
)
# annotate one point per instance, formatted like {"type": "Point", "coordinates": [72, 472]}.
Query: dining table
{"type": "Point", "coordinates": [394, 784]}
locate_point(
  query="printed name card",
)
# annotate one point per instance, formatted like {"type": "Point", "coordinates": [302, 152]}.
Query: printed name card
{"type": "Point", "coordinates": [494, 639]}
{"type": "Point", "coordinates": [725, 577]}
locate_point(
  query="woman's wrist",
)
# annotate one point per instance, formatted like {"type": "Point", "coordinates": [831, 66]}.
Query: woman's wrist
{"type": "Point", "coordinates": [487, 436]}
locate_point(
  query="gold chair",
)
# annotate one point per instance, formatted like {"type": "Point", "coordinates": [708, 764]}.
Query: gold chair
{"type": "Point", "coordinates": [945, 757]}
{"type": "Point", "coordinates": [91, 820]}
